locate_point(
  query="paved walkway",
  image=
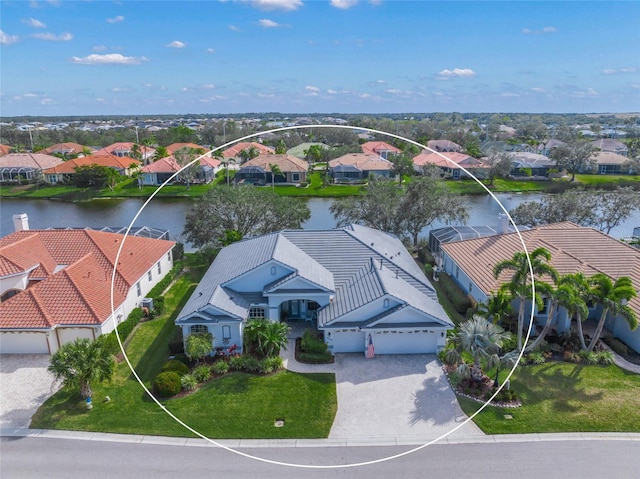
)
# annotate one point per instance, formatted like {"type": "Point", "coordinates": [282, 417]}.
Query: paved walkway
{"type": "Point", "coordinates": [399, 397]}
{"type": "Point", "coordinates": [25, 384]}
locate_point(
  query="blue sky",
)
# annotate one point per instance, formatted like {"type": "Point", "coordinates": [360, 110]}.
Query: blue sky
{"type": "Point", "coordinates": [299, 56]}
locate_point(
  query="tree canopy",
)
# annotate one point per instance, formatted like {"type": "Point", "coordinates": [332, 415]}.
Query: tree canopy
{"type": "Point", "coordinates": [245, 210]}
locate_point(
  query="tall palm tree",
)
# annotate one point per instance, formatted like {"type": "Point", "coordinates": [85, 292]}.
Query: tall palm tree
{"type": "Point", "coordinates": [519, 286]}
{"type": "Point", "coordinates": [81, 363]}
{"type": "Point", "coordinates": [481, 339]}
{"type": "Point", "coordinates": [613, 297]}
{"type": "Point", "coordinates": [275, 170]}
{"type": "Point", "coordinates": [497, 307]}
{"type": "Point", "coordinates": [577, 305]}
{"type": "Point", "coordinates": [272, 338]}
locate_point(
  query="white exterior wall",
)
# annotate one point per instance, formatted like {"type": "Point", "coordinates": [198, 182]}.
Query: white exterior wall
{"type": "Point", "coordinates": [18, 281]}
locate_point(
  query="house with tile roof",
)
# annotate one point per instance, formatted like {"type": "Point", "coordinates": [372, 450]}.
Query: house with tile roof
{"type": "Point", "coordinates": [67, 150]}
{"type": "Point", "coordinates": [612, 145]}
{"type": "Point", "coordinates": [4, 149]}
{"type": "Point", "coordinates": [173, 147]}
{"type": "Point", "coordinates": [366, 284]}
{"type": "Point", "coordinates": [573, 249]}
{"type": "Point", "coordinates": [126, 148]}
{"type": "Point", "coordinates": [235, 150]}
{"type": "Point", "coordinates": [258, 170]}
{"type": "Point", "coordinates": [27, 166]}
{"type": "Point", "coordinates": [381, 148]}
{"type": "Point", "coordinates": [125, 166]}
{"type": "Point", "coordinates": [530, 164]}
{"type": "Point", "coordinates": [449, 162]}
{"type": "Point", "coordinates": [55, 285]}
{"type": "Point", "coordinates": [610, 163]}
{"type": "Point", "coordinates": [159, 171]}
{"type": "Point", "coordinates": [358, 166]}
{"type": "Point", "coordinates": [443, 145]}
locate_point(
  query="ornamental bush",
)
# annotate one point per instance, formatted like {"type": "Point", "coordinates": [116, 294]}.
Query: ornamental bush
{"type": "Point", "coordinates": [220, 367]}
{"type": "Point", "coordinates": [188, 382]}
{"type": "Point", "coordinates": [271, 365]}
{"type": "Point", "coordinates": [202, 373]}
{"type": "Point", "coordinates": [167, 384]}
{"type": "Point", "coordinates": [175, 366]}
{"type": "Point", "coordinates": [236, 363]}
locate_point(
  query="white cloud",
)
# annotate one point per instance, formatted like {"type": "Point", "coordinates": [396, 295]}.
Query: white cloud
{"type": "Point", "coordinates": [7, 39]}
{"type": "Point", "coordinates": [209, 86]}
{"type": "Point", "coordinates": [311, 88]}
{"type": "Point", "coordinates": [286, 5]}
{"type": "Point", "coordinates": [211, 50]}
{"type": "Point", "coordinates": [331, 92]}
{"type": "Point", "coordinates": [343, 4]}
{"type": "Point", "coordinates": [107, 59]}
{"type": "Point", "coordinates": [266, 23]}
{"type": "Point", "coordinates": [63, 37]}
{"type": "Point", "coordinates": [176, 44]}
{"type": "Point", "coordinates": [47, 101]}
{"type": "Point", "coordinates": [233, 28]}
{"type": "Point", "coordinates": [117, 19]}
{"type": "Point", "coordinates": [635, 85]}
{"type": "Point", "coordinates": [118, 89]}
{"type": "Point", "coordinates": [615, 71]}
{"type": "Point", "coordinates": [509, 95]}
{"type": "Point", "coordinates": [32, 22]}
{"type": "Point", "coordinates": [266, 95]}
{"type": "Point", "coordinates": [30, 95]}
{"type": "Point", "coordinates": [393, 91]}
{"type": "Point", "coordinates": [528, 31]}
{"type": "Point", "coordinates": [538, 90]}
{"type": "Point", "coordinates": [186, 89]}
{"type": "Point", "coordinates": [456, 73]}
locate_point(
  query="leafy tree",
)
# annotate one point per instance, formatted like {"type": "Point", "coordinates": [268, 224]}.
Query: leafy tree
{"type": "Point", "coordinates": [500, 166]}
{"type": "Point", "coordinates": [199, 345]}
{"type": "Point", "coordinates": [314, 154]}
{"type": "Point", "coordinates": [497, 307]}
{"type": "Point", "coordinates": [473, 149]}
{"type": "Point", "coordinates": [247, 210]}
{"type": "Point", "coordinates": [281, 147]}
{"type": "Point", "coordinates": [265, 337]}
{"type": "Point", "coordinates": [95, 176]}
{"type": "Point", "coordinates": [248, 154]}
{"type": "Point", "coordinates": [613, 297]}
{"type": "Point", "coordinates": [519, 285]}
{"type": "Point", "coordinates": [178, 134]}
{"type": "Point", "coordinates": [81, 363]}
{"type": "Point", "coordinates": [573, 157]}
{"type": "Point", "coordinates": [161, 152]}
{"type": "Point", "coordinates": [183, 157]}
{"type": "Point", "coordinates": [402, 165]}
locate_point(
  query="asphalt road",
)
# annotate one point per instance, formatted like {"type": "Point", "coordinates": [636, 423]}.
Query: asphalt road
{"type": "Point", "coordinates": [27, 457]}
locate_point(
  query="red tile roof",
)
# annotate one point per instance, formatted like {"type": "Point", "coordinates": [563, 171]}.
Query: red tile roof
{"type": "Point", "coordinates": [4, 149]}
{"type": "Point", "coordinates": [172, 148]}
{"type": "Point", "coordinates": [363, 161]}
{"type": "Point", "coordinates": [112, 161]}
{"type": "Point", "coordinates": [80, 292]}
{"type": "Point", "coordinates": [286, 163]}
{"type": "Point", "coordinates": [126, 146]}
{"type": "Point", "coordinates": [170, 165]}
{"type": "Point", "coordinates": [437, 159]}
{"type": "Point", "coordinates": [68, 148]}
{"type": "Point", "coordinates": [234, 151]}
{"type": "Point", "coordinates": [378, 146]}
{"type": "Point", "coordinates": [38, 161]}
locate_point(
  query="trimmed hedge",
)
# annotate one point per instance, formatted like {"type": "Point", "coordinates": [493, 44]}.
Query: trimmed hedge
{"type": "Point", "coordinates": [167, 384]}
{"type": "Point", "coordinates": [176, 366]}
{"type": "Point", "coordinates": [159, 288]}
{"type": "Point", "coordinates": [455, 294]}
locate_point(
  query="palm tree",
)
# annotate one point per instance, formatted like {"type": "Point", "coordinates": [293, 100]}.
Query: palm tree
{"type": "Point", "coordinates": [577, 304]}
{"type": "Point", "coordinates": [273, 337]}
{"type": "Point", "coordinates": [519, 285]}
{"type": "Point", "coordinates": [613, 297]}
{"type": "Point", "coordinates": [81, 363]}
{"type": "Point", "coordinates": [248, 154]}
{"type": "Point", "coordinates": [275, 170]}
{"type": "Point", "coordinates": [497, 307]}
{"type": "Point", "coordinates": [479, 337]}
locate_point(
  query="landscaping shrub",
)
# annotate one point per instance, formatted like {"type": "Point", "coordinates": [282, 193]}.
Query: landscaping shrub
{"type": "Point", "coordinates": [315, 358]}
{"type": "Point", "coordinates": [175, 366]}
{"type": "Point", "coordinates": [536, 357]}
{"type": "Point", "coordinates": [220, 367]}
{"type": "Point", "coordinates": [604, 357]}
{"type": "Point", "coordinates": [250, 364]}
{"type": "Point", "coordinates": [167, 384]}
{"type": "Point", "coordinates": [311, 343]}
{"type": "Point", "coordinates": [202, 373]}
{"type": "Point", "coordinates": [510, 343]}
{"type": "Point", "coordinates": [176, 342]}
{"type": "Point", "coordinates": [236, 363]}
{"type": "Point", "coordinates": [455, 379]}
{"type": "Point", "coordinates": [188, 382]}
{"type": "Point", "coordinates": [570, 340]}
{"type": "Point", "coordinates": [159, 288]}
{"type": "Point", "coordinates": [110, 343]}
{"type": "Point", "coordinates": [270, 365]}
{"type": "Point", "coordinates": [617, 345]}
{"type": "Point", "coordinates": [506, 395]}
{"type": "Point", "coordinates": [158, 306]}
{"type": "Point", "coordinates": [588, 357]}
{"type": "Point", "coordinates": [455, 294]}
{"type": "Point", "coordinates": [125, 328]}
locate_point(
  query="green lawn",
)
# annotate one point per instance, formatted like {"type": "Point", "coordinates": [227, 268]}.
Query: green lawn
{"type": "Point", "coordinates": [565, 397]}
{"type": "Point", "coordinates": [238, 405]}
{"type": "Point", "coordinates": [601, 180]}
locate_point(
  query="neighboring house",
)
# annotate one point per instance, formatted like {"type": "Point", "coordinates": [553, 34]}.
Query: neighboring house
{"type": "Point", "coordinates": [25, 166]}
{"type": "Point", "coordinates": [56, 284]}
{"type": "Point", "coordinates": [173, 147]}
{"type": "Point", "coordinates": [609, 144]}
{"type": "Point", "coordinates": [451, 165]}
{"type": "Point", "coordinates": [530, 164]}
{"type": "Point", "coordinates": [234, 151]}
{"type": "Point", "coordinates": [573, 249]}
{"type": "Point", "coordinates": [64, 171]}
{"type": "Point", "coordinates": [299, 151]}
{"type": "Point", "coordinates": [353, 283]}
{"type": "Point", "coordinates": [545, 148]}
{"type": "Point", "coordinates": [127, 149]}
{"type": "Point", "coordinates": [67, 150]}
{"type": "Point", "coordinates": [358, 167]}
{"type": "Point", "coordinates": [4, 149]}
{"type": "Point", "coordinates": [381, 148]}
{"type": "Point", "coordinates": [258, 170]}
{"type": "Point", "coordinates": [608, 162]}
{"type": "Point", "coordinates": [160, 171]}
{"type": "Point", "coordinates": [443, 145]}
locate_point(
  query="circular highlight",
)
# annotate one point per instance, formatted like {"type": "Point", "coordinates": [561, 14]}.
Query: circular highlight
{"type": "Point", "coordinates": [330, 466]}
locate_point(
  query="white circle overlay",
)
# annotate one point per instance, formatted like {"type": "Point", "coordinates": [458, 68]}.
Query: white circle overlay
{"type": "Point", "coordinates": [330, 466]}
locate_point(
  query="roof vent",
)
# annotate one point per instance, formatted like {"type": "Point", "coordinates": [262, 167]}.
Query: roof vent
{"type": "Point", "coordinates": [21, 222]}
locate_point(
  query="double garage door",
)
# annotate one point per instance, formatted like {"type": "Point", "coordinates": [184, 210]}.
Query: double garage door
{"type": "Point", "coordinates": [386, 342]}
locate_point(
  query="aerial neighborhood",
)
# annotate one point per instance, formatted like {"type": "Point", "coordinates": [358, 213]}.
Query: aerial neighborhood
{"type": "Point", "coordinates": [404, 270]}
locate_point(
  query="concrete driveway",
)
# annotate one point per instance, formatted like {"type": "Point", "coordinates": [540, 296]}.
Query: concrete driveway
{"type": "Point", "coordinates": [25, 384]}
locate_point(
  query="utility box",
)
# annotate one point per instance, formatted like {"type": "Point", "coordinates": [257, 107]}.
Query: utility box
{"type": "Point", "coordinates": [147, 303]}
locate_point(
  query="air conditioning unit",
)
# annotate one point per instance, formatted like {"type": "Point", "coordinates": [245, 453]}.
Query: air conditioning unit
{"type": "Point", "coordinates": [147, 303]}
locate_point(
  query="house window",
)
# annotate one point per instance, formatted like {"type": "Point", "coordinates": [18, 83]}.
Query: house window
{"type": "Point", "coordinates": [386, 302]}
{"type": "Point", "coordinates": [159, 268]}
{"type": "Point", "coordinates": [226, 334]}
{"type": "Point", "coordinates": [256, 313]}
{"type": "Point", "coordinates": [149, 275]}
{"type": "Point", "coordinates": [273, 271]}
{"type": "Point", "coordinates": [295, 176]}
{"type": "Point", "coordinates": [138, 289]}
{"type": "Point", "coordinates": [169, 256]}
{"type": "Point", "coordinates": [457, 271]}
{"type": "Point", "coordinates": [198, 329]}
{"type": "Point", "coordinates": [470, 286]}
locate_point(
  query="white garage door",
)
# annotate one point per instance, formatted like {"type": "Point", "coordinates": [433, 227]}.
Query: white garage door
{"type": "Point", "coordinates": [347, 342]}
{"type": "Point", "coordinates": [69, 335]}
{"type": "Point", "coordinates": [23, 343]}
{"type": "Point", "coordinates": [405, 342]}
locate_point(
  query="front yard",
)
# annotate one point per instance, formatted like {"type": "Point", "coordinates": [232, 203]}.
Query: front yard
{"type": "Point", "coordinates": [237, 405]}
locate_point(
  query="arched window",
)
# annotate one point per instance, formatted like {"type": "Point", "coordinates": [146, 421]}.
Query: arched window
{"type": "Point", "coordinates": [226, 334]}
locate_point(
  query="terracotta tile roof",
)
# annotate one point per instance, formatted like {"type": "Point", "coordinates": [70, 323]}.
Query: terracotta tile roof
{"type": "Point", "coordinates": [4, 149]}
{"type": "Point", "coordinates": [112, 161]}
{"type": "Point", "coordinates": [235, 150]}
{"type": "Point", "coordinates": [172, 148]}
{"type": "Point", "coordinates": [459, 159]}
{"type": "Point", "coordinates": [362, 161]}
{"type": "Point", "coordinates": [38, 161]}
{"type": "Point", "coordinates": [443, 145]}
{"type": "Point", "coordinates": [573, 249]}
{"type": "Point", "coordinates": [68, 148]}
{"type": "Point", "coordinates": [609, 144]}
{"type": "Point", "coordinates": [286, 163]}
{"type": "Point", "coordinates": [378, 146]}
{"type": "Point", "coordinates": [170, 165]}
{"type": "Point", "coordinates": [126, 146]}
{"type": "Point", "coordinates": [79, 293]}
{"type": "Point", "coordinates": [610, 158]}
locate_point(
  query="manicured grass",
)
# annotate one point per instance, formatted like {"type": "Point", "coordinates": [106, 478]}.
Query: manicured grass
{"type": "Point", "coordinates": [471, 187]}
{"type": "Point", "coordinates": [238, 405]}
{"type": "Point", "coordinates": [565, 397]}
{"type": "Point", "coordinates": [316, 189]}
{"type": "Point", "coordinates": [601, 180]}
